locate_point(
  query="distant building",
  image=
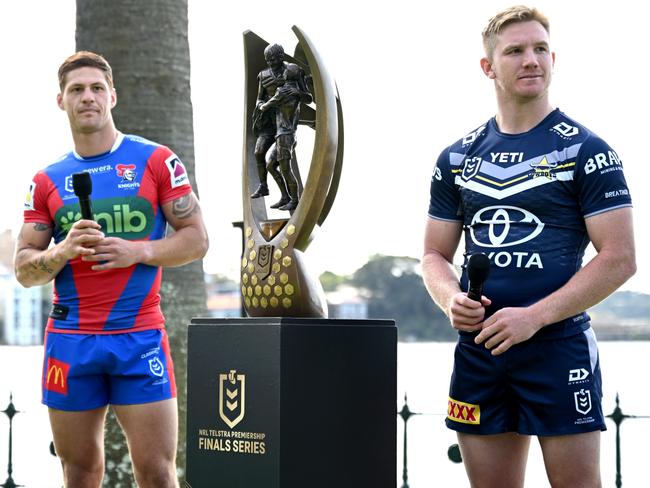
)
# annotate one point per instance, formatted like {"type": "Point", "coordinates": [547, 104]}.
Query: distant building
{"type": "Point", "coordinates": [225, 304]}
{"type": "Point", "coordinates": [22, 312]}
{"type": "Point", "coordinates": [346, 303]}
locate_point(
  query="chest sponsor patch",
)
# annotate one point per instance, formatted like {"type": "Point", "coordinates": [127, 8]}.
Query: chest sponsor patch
{"type": "Point", "coordinates": [465, 413]}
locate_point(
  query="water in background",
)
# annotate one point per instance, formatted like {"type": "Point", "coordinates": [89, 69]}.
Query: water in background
{"type": "Point", "coordinates": [423, 373]}
{"type": "Point", "coordinates": [424, 370]}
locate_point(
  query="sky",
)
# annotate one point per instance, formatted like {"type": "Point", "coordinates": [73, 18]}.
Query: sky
{"type": "Point", "coordinates": [410, 84]}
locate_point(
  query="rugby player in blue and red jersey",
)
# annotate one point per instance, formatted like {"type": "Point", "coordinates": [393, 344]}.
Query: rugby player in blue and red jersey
{"type": "Point", "coordinates": [105, 341]}
{"type": "Point", "coordinates": [530, 188]}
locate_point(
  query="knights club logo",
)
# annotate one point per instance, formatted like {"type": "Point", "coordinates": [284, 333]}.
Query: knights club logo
{"type": "Point", "coordinates": [232, 397]}
{"type": "Point", "coordinates": [126, 171]}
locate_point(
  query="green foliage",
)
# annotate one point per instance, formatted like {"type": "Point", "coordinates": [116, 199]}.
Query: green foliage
{"type": "Point", "coordinates": [623, 305]}
{"type": "Point", "coordinates": [396, 291]}
{"type": "Point", "coordinates": [332, 281]}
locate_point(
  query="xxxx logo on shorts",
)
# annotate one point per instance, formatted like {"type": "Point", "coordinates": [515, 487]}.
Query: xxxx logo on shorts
{"type": "Point", "coordinates": [56, 378]}
{"type": "Point", "coordinates": [465, 413]}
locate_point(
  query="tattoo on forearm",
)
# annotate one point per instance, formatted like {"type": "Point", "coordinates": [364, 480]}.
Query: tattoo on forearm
{"type": "Point", "coordinates": [42, 227]}
{"type": "Point", "coordinates": [185, 207]}
{"type": "Point", "coordinates": [40, 264]}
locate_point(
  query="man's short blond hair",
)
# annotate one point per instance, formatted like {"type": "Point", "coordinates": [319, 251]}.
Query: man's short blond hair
{"type": "Point", "coordinates": [511, 15]}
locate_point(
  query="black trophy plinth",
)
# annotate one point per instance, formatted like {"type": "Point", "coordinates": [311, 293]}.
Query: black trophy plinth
{"type": "Point", "coordinates": [291, 403]}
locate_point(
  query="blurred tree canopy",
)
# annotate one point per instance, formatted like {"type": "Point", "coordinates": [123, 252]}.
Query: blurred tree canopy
{"type": "Point", "coordinates": [394, 289]}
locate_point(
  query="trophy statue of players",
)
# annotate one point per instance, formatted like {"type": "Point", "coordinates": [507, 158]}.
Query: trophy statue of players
{"type": "Point", "coordinates": [281, 93]}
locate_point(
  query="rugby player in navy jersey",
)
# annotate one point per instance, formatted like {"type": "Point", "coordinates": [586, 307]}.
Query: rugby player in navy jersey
{"type": "Point", "coordinates": [105, 340]}
{"type": "Point", "coordinates": [530, 188]}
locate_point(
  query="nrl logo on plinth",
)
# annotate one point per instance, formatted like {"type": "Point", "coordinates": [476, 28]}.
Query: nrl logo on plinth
{"type": "Point", "coordinates": [232, 397]}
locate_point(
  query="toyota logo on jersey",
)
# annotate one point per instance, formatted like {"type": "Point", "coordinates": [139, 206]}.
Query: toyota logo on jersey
{"type": "Point", "coordinates": [504, 226]}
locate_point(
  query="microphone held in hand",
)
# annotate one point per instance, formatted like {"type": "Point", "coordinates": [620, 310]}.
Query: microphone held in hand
{"type": "Point", "coordinates": [83, 187]}
{"type": "Point", "coordinates": [478, 269]}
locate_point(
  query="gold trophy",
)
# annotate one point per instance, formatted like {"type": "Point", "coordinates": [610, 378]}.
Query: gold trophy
{"type": "Point", "coordinates": [282, 92]}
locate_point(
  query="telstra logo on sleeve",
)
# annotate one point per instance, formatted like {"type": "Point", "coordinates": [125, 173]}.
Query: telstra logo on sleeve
{"type": "Point", "coordinates": [128, 218]}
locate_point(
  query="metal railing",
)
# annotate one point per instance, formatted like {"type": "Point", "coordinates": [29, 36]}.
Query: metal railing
{"type": "Point", "coordinates": [454, 455]}
{"type": "Point", "coordinates": [10, 411]}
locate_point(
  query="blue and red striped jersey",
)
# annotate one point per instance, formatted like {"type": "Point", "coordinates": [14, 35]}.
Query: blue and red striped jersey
{"type": "Point", "coordinates": [130, 183]}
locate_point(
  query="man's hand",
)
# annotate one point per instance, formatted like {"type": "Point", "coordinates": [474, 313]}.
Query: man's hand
{"type": "Point", "coordinates": [507, 327]}
{"type": "Point", "coordinates": [113, 252]}
{"type": "Point", "coordinates": [466, 314]}
{"type": "Point", "coordinates": [288, 91]}
{"type": "Point", "coordinates": [81, 239]}
{"type": "Point", "coordinates": [263, 107]}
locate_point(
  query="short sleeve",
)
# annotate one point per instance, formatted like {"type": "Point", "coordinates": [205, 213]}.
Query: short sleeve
{"type": "Point", "coordinates": [36, 207]}
{"type": "Point", "coordinates": [173, 179]}
{"type": "Point", "coordinates": [600, 180]}
{"type": "Point", "coordinates": [444, 203]}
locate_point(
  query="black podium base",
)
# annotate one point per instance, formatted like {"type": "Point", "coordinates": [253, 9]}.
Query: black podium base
{"type": "Point", "coordinates": [291, 403]}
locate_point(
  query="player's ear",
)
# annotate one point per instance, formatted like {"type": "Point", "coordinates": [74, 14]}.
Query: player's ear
{"type": "Point", "coordinates": [59, 101]}
{"type": "Point", "coordinates": [486, 67]}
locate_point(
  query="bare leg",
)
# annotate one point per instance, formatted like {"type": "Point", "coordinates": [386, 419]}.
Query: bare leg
{"type": "Point", "coordinates": [79, 443]}
{"type": "Point", "coordinates": [292, 184]}
{"type": "Point", "coordinates": [262, 145]}
{"type": "Point", "coordinates": [495, 461]}
{"type": "Point", "coordinates": [277, 176]}
{"type": "Point", "coordinates": [152, 433]}
{"type": "Point", "coordinates": [572, 461]}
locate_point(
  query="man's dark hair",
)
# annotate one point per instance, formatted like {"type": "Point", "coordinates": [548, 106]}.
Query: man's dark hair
{"type": "Point", "coordinates": [85, 59]}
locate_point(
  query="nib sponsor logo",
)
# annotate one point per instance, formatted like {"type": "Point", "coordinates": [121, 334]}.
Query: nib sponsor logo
{"type": "Point", "coordinates": [127, 217]}
{"type": "Point", "coordinates": [465, 413]}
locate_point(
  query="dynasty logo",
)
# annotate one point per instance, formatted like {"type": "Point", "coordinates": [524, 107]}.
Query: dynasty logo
{"type": "Point", "coordinates": [232, 397]}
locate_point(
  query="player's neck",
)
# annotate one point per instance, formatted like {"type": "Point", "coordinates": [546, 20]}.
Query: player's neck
{"type": "Point", "coordinates": [518, 116]}
{"type": "Point", "coordinates": [91, 144]}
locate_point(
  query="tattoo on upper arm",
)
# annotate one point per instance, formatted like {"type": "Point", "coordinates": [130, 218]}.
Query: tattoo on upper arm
{"type": "Point", "coordinates": [185, 207]}
{"type": "Point", "coordinates": [41, 227]}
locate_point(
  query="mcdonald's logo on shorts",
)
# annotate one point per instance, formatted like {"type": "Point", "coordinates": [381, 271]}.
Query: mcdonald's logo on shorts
{"type": "Point", "coordinates": [465, 413]}
{"type": "Point", "coordinates": [56, 376]}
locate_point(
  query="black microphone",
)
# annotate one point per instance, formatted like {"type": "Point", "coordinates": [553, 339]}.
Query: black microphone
{"type": "Point", "coordinates": [83, 187]}
{"type": "Point", "coordinates": [478, 269]}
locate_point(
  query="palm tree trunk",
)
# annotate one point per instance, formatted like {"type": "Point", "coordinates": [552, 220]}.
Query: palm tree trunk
{"type": "Point", "coordinates": [146, 44]}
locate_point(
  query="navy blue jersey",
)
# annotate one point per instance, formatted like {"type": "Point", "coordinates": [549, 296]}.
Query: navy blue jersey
{"type": "Point", "coordinates": [523, 200]}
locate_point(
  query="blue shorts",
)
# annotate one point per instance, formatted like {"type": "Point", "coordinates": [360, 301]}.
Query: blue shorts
{"type": "Point", "coordinates": [538, 387]}
{"type": "Point", "coordinates": [88, 371]}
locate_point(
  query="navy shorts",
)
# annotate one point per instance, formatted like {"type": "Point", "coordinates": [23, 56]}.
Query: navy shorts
{"type": "Point", "coordinates": [538, 387]}
{"type": "Point", "coordinates": [88, 371]}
